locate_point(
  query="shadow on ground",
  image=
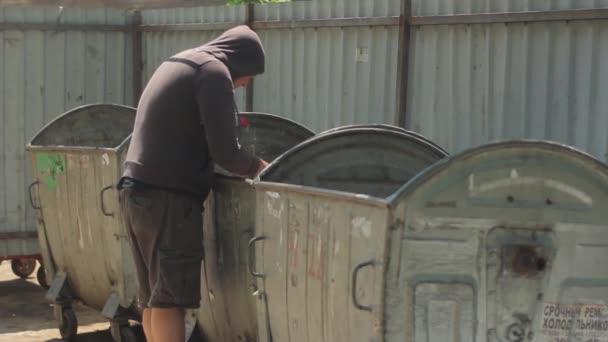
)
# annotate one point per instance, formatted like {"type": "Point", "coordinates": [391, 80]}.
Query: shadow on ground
{"type": "Point", "coordinates": [23, 307]}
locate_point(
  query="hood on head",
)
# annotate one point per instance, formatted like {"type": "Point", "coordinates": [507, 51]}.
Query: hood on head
{"type": "Point", "coordinates": [240, 49]}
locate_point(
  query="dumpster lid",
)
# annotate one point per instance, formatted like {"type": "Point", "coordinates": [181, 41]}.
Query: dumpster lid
{"type": "Point", "coordinates": [95, 126]}
{"type": "Point", "coordinates": [388, 127]}
{"type": "Point", "coordinates": [502, 178]}
{"type": "Point", "coordinates": [373, 161]}
{"type": "Point", "coordinates": [267, 136]}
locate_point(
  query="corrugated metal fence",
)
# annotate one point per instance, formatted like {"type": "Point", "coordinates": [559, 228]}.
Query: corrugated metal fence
{"type": "Point", "coordinates": [323, 66]}
{"type": "Point", "coordinates": [461, 72]}
{"type": "Point", "coordinates": [50, 62]}
{"type": "Point", "coordinates": [492, 76]}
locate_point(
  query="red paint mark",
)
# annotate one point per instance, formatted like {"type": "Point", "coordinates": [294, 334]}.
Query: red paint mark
{"type": "Point", "coordinates": [244, 122]}
{"type": "Point", "coordinates": [315, 251]}
{"type": "Point", "coordinates": [316, 269]}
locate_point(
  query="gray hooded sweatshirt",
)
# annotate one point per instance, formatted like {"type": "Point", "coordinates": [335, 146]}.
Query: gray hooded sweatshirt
{"type": "Point", "coordinates": [186, 118]}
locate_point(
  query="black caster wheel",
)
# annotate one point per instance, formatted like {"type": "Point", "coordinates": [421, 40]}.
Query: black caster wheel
{"type": "Point", "coordinates": [23, 268]}
{"type": "Point", "coordinates": [69, 327]}
{"type": "Point", "coordinates": [123, 333]}
{"type": "Point", "coordinates": [41, 277]}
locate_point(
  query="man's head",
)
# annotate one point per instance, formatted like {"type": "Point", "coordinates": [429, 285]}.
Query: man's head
{"type": "Point", "coordinates": [240, 49]}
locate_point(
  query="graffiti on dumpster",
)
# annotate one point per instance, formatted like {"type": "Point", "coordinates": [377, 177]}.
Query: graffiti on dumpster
{"type": "Point", "coordinates": [50, 165]}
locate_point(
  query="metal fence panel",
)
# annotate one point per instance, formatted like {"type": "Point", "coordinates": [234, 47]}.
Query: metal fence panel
{"type": "Point", "coordinates": [448, 7]}
{"type": "Point", "coordinates": [329, 77]}
{"type": "Point", "coordinates": [43, 73]}
{"type": "Point", "coordinates": [471, 84]}
{"type": "Point", "coordinates": [323, 9]}
{"type": "Point", "coordinates": [207, 14]}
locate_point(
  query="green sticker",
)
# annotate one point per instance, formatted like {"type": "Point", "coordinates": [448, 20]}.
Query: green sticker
{"type": "Point", "coordinates": [51, 164]}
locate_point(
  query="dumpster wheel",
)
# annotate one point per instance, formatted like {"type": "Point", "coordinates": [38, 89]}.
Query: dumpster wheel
{"type": "Point", "coordinates": [41, 277]}
{"type": "Point", "coordinates": [127, 334]}
{"type": "Point", "coordinates": [69, 327]}
{"type": "Point", "coordinates": [23, 268]}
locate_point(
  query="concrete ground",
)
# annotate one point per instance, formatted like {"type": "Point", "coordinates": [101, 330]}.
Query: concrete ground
{"type": "Point", "coordinates": [25, 316]}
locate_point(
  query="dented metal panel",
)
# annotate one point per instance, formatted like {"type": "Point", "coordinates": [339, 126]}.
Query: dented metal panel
{"type": "Point", "coordinates": [228, 309]}
{"type": "Point", "coordinates": [501, 243]}
{"type": "Point", "coordinates": [77, 161]}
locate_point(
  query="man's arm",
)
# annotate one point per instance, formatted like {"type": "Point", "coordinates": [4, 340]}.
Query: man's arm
{"type": "Point", "coordinates": [215, 98]}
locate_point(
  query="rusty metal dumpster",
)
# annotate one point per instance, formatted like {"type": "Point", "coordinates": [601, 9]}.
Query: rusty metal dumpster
{"type": "Point", "coordinates": [504, 242]}
{"type": "Point", "coordinates": [321, 215]}
{"type": "Point", "coordinates": [76, 161]}
{"type": "Point", "coordinates": [227, 308]}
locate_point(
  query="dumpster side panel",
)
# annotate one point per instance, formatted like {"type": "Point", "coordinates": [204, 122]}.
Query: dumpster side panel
{"type": "Point", "coordinates": [313, 244]}
{"type": "Point", "coordinates": [84, 236]}
{"type": "Point", "coordinates": [228, 307]}
{"type": "Point", "coordinates": [43, 238]}
{"type": "Point", "coordinates": [81, 239]}
{"type": "Point", "coordinates": [111, 228]}
{"type": "Point", "coordinates": [207, 321]}
{"type": "Point", "coordinates": [50, 171]}
{"type": "Point", "coordinates": [503, 242]}
{"type": "Point", "coordinates": [235, 204]}
{"type": "Point", "coordinates": [118, 265]}
{"type": "Point", "coordinates": [439, 302]}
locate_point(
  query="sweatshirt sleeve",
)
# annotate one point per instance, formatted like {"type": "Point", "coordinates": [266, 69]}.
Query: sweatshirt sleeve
{"type": "Point", "coordinates": [215, 99]}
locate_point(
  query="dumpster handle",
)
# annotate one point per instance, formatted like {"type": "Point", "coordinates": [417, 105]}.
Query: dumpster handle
{"type": "Point", "coordinates": [354, 284]}
{"type": "Point", "coordinates": [251, 255]}
{"type": "Point", "coordinates": [32, 197]}
{"type": "Point", "coordinates": [103, 206]}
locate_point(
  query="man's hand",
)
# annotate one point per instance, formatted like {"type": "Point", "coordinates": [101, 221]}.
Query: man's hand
{"type": "Point", "coordinates": [263, 165]}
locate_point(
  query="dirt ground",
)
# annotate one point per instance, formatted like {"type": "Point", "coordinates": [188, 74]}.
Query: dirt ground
{"type": "Point", "coordinates": [25, 316]}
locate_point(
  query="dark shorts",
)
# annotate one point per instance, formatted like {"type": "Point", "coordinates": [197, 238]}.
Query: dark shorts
{"type": "Point", "coordinates": [166, 234]}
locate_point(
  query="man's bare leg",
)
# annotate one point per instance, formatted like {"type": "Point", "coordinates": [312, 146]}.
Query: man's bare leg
{"type": "Point", "coordinates": [147, 323]}
{"type": "Point", "coordinates": [168, 325]}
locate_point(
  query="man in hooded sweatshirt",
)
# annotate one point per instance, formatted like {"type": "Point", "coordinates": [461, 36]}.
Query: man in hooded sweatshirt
{"type": "Point", "coordinates": [185, 123]}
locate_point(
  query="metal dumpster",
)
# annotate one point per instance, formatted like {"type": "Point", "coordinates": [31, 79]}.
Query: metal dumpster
{"type": "Point", "coordinates": [227, 308]}
{"type": "Point", "coordinates": [76, 161]}
{"type": "Point", "coordinates": [500, 243]}
{"type": "Point", "coordinates": [321, 215]}
{"type": "Point", "coordinates": [505, 242]}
